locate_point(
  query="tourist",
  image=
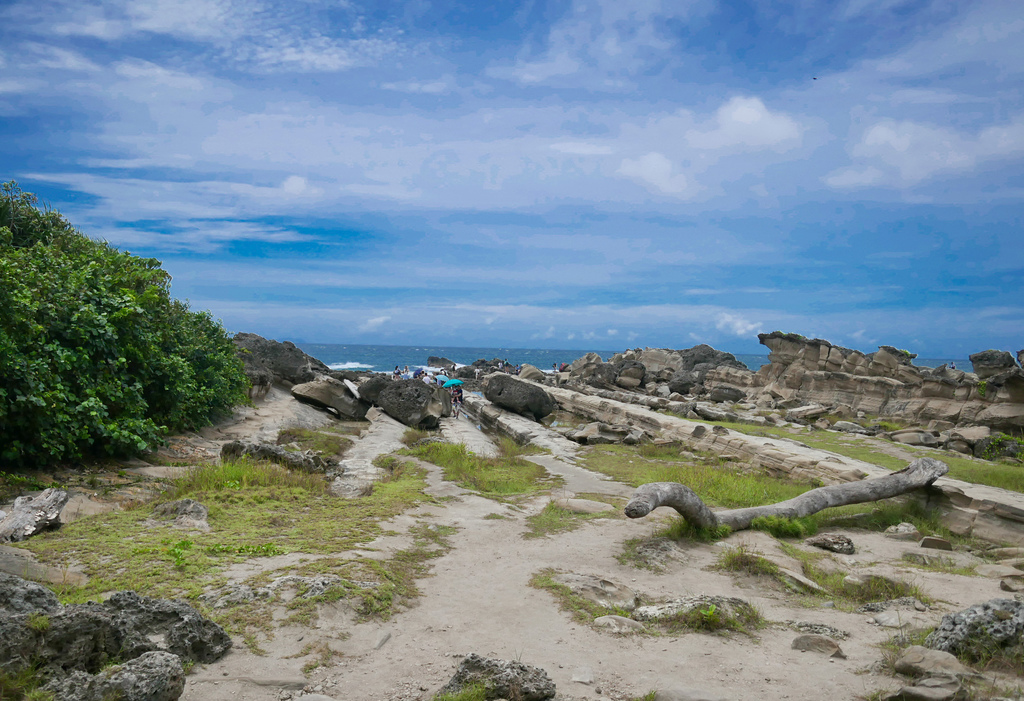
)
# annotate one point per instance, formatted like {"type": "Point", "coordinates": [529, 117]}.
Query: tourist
{"type": "Point", "coordinates": [456, 400]}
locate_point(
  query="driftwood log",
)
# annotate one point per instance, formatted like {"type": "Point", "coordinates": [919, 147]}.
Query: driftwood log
{"type": "Point", "coordinates": [648, 497]}
{"type": "Point", "coordinates": [31, 515]}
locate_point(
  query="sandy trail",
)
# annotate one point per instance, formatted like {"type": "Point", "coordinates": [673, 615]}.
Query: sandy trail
{"type": "Point", "coordinates": [479, 599]}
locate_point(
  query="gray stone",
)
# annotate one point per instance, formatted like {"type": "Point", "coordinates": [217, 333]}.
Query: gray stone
{"type": "Point", "coordinates": [819, 629]}
{"type": "Point", "coordinates": [415, 403]}
{"type": "Point", "coordinates": [501, 679]}
{"type": "Point", "coordinates": [187, 513]}
{"type": "Point", "coordinates": [307, 461]}
{"type": "Point", "coordinates": [849, 427]}
{"type": "Point", "coordinates": [996, 571]}
{"type": "Point", "coordinates": [903, 531]}
{"type": "Point", "coordinates": [812, 642]}
{"type": "Point", "coordinates": [521, 397]}
{"type": "Point", "coordinates": [618, 624]}
{"type": "Point", "coordinates": [997, 622]}
{"type": "Point", "coordinates": [935, 543]}
{"type": "Point", "coordinates": [599, 591]}
{"type": "Point", "coordinates": [284, 360]}
{"type": "Point", "coordinates": [832, 541]}
{"type": "Point", "coordinates": [906, 622]}
{"type": "Point", "coordinates": [529, 372]}
{"type": "Point", "coordinates": [806, 412]}
{"type": "Point", "coordinates": [726, 394]}
{"type": "Point", "coordinates": [729, 605]}
{"type": "Point", "coordinates": [1013, 583]}
{"type": "Point", "coordinates": [20, 596]}
{"type": "Point", "coordinates": [991, 362]}
{"type": "Point", "coordinates": [942, 688]}
{"type": "Point", "coordinates": [153, 676]}
{"type": "Point", "coordinates": [918, 661]}
{"type": "Point", "coordinates": [797, 582]}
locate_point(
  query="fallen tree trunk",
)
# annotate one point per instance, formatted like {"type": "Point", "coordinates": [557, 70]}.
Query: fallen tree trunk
{"type": "Point", "coordinates": [31, 515]}
{"type": "Point", "coordinates": [648, 497]}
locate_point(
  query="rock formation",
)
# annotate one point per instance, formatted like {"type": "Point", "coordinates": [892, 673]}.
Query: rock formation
{"type": "Point", "coordinates": [884, 383]}
{"type": "Point", "coordinates": [521, 397]}
{"type": "Point", "coordinates": [283, 360]}
{"type": "Point", "coordinates": [415, 403]}
{"type": "Point", "coordinates": [334, 395]}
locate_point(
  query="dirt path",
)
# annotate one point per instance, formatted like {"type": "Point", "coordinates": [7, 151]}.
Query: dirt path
{"type": "Point", "coordinates": [479, 599]}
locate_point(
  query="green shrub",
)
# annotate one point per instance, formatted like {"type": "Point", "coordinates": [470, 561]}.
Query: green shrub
{"type": "Point", "coordinates": [96, 358]}
{"type": "Point", "coordinates": [782, 527]}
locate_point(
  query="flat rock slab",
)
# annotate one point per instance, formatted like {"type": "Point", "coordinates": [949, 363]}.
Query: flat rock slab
{"type": "Point", "coordinates": [996, 571]}
{"type": "Point", "coordinates": [600, 591]}
{"type": "Point", "coordinates": [160, 472]}
{"type": "Point", "coordinates": [919, 661]}
{"type": "Point", "coordinates": [23, 564]}
{"type": "Point", "coordinates": [583, 506]}
{"type": "Point", "coordinates": [818, 643]}
{"type": "Point", "coordinates": [903, 620]}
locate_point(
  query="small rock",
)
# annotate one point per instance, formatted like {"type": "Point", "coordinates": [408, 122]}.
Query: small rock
{"type": "Point", "coordinates": [832, 541]}
{"type": "Point", "coordinates": [583, 675]}
{"type": "Point", "coordinates": [602, 592]}
{"type": "Point", "coordinates": [819, 629]}
{"type": "Point", "coordinates": [903, 531]}
{"type": "Point", "coordinates": [935, 543]}
{"type": "Point", "coordinates": [931, 689]}
{"type": "Point", "coordinates": [996, 571]}
{"type": "Point", "coordinates": [798, 583]}
{"type": "Point", "coordinates": [818, 643]}
{"type": "Point", "coordinates": [1013, 583]}
{"type": "Point", "coordinates": [382, 641]}
{"type": "Point", "coordinates": [905, 622]}
{"type": "Point", "coordinates": [503, 679]}
{"type": "Point", "coordinates": [618, 624]}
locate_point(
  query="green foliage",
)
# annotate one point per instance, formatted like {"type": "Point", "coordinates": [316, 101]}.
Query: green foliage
{"type": "Point", "coordinates": [492, 477]}
{"type": "Point", "coordinates": [782, 527]}
{"type": "Point", "coordinates": [740, 559]}
{"type": "Point", "coordinates": [96, 358]}
{"type": "Point", "coordinates": [999, 442]}
{"type": "Point", "coordinates": [324, 441]}
{"type": "Point", "coordinates": [38, 621]}
{"type": "Point", "coordinates": [982, 388]}
{"type": "Point", "coordinates": [473, 692]}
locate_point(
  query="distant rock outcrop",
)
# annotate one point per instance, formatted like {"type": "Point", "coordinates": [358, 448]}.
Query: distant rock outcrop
{"type": "Point", "coordinates": [806, 371]}
{"type": "Point", "coordinates": [286, 362]}
{"type": "Point", "coordinates": [415, 403]}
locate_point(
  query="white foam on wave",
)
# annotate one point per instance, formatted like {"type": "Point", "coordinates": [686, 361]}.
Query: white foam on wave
{"type": "Point", "coordinates": [352, 365]}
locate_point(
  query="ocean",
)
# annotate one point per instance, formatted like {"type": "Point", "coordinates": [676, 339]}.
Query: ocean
{"type": "Point", "coordinates": [385, 358]}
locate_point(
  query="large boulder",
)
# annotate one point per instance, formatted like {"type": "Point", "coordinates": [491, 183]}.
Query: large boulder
{"type": "Point", "coordinates": [371, 388]}
{"type": "Point", "coordinates": [20, 596]}
{"type": "Point", "coordinates": [153, 676]}
{"type": "Point", "coordinates": [287, 363]}
{"type": "Point", "coordinates": [501, 679]}
{"type": "Point", "coordinates": [974, 632]}
{"type": "Point", "coordinates": [86, 637]}
{"type": "Point", "coordinates": [439, 362]}
{"type": "Point", "coordinates": [415, 403]}
{"type": "Point", "coordinates": [334, 395]}
{"type": "Point", "coordinates": [991, 362]}
{"type": "Point", "coordinates": [523, 398]}
{"type": "Point", "coordinates": [726, 394]}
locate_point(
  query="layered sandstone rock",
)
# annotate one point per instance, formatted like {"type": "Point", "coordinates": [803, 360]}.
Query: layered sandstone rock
{"type": "Point", "coordinates": [806, 371]}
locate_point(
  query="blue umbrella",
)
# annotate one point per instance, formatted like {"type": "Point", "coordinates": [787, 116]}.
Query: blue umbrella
{"type": "Point", "coordinates": [452, 383]}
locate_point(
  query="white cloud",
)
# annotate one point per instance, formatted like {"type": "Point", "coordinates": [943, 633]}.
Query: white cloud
{"type": "Point", "coordinates": [613, 332]}
{"type": "Point", "coordinates": [746, 122]}
{"type": "Point", "coordinates": [655, 170]}
{"type": "Point", "coordinates": [736, 325]}
{"type": "Point", "coordinates": [374, 323]}
{"type": "Point", "coordinates": [432, 87]}
{"type": "Point", "coordinates": [907, 152]}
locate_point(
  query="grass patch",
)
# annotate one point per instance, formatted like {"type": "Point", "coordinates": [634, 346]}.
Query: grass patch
{"type": "Point", "coordinates": [473, 692]}
{"type": "Point", "coordinates": [415, 435]}
{"type": "Point", "coordinates": [581, 610]}
{"type": "Point", "coordinates": [23, 684]}
{"type": "Point", "coordinates": [973, 470]}
{"type": "Point", "coordinates": [496, 517]}
{"type": "Point", "coordinates": [937, 563]}
{"type": "Point", "coordinates": [326, 442]}
{"type": "Point", "coordinates": [740, 559]}
{"type": "Point", "coordinates": [708, 476]}
{"type": "Point", "coordinates": [497, 478]}
{"type": "Point", "coordinates": [874, 588]}
{"type": "Point", "coordinates": [782, 527]}
{"type": "Point", "coordinates": [554, 519]}
{"type": "Point", "coordinates": [255, 509]}
{"type": "Point", "coordinates": [712, 619]}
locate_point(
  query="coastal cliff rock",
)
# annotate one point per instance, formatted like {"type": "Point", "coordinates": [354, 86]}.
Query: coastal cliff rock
{"type": "Point", "coordinates": [804, 371]}
{"type": "Point", "coordinates": [521, 397]}
{"type": "Point", "coordinates": [283, 360]}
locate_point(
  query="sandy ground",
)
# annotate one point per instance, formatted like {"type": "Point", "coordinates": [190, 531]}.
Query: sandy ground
{"type": "Point", "coordinates": [478, 599]}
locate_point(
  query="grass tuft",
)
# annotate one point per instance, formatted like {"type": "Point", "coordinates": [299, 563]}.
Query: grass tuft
{"type": "Point", "coordinates": [498, 478]}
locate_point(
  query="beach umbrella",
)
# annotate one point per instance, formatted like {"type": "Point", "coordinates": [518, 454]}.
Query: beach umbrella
{"type": "Point", "coordinates": [442, 377]}
{"type": "Point", "coordinates": [452, 383]}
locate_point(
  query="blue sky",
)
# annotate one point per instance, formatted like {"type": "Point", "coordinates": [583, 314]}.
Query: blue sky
{"type": "Point", "coordinates": [582, 173]}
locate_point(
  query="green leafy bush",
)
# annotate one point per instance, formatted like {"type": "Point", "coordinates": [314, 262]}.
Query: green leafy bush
{"type": "Point", "coordinates": [96, 358]}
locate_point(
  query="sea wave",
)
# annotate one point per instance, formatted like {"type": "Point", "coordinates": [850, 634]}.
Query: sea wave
{"type": "Point", "coordinates": [352, 365]}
